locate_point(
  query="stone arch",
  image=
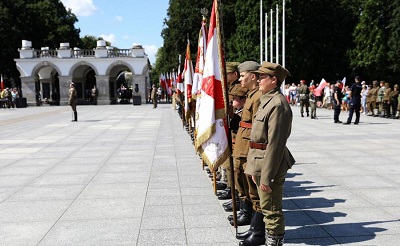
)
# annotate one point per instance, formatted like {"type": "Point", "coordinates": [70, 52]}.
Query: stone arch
{"type": "Point", "coordinates": [119, 63]}
{"type": "Point", "coordinates": [43, 64]}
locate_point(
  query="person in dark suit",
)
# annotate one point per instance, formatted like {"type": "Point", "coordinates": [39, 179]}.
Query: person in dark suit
{"type": "Point", "coordinates": [355, 101]}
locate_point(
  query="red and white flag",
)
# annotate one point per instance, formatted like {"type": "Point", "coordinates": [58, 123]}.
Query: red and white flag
{"type": "Point", "coordinates": [2, 82]}
{"type": "Point", "coordinates": [212, 131]}
{"type": "Point", "coordinates": [321, 85]}
{"type": "Point", "coordinates": [179, 81]}
{"type": "Point", "coordinates": [188, 78]}
{"type": "Point", "coordinates": [201, 51]}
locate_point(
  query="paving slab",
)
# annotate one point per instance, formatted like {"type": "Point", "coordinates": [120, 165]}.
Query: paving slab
{"type": "Point", "coordinates": [129, 175]}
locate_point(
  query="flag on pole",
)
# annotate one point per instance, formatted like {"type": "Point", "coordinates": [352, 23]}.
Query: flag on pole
{"type": "Point", "coordinates": [188, 78]}
{"type": "Point", "coordinates": [321, 85]}
{"type": "Point", "coordinates": [344, 82]}
{"type": "Point", "coordinates": [179, 81]}
{"type": "Point", "coordinates": [2, 82]}
{"type": "Point", "coordinates": [211, 139]}
{"type": "Point", "coordinates": [201, 51]}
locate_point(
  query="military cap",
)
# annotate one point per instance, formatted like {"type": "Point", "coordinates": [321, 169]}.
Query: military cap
{"type": "Point", "coordinates": [238, 91]}
{"type": "Point", "coordinates": [231, 66]}
{"type": "Point", "coordinates": [273, 69]}
{"type": "Point", "coordinates": [248, 66]}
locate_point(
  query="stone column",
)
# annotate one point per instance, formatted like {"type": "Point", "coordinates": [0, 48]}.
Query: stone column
{"type": "Point", "coordinates": [141, 80]}
{"type": "Point", "coordinates": [64, 82]}
{"type": "Point", "coordinates": [28, 90]}
{"type": "Point", "coordinates": [103, 86]}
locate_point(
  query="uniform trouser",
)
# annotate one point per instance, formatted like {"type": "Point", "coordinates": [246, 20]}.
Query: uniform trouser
{"type": "Point", "coordinates": [253, 193]}
{"type": "Point", "coordinates": [313, 109]}
{"type": "Point", "coordinates": [394, 104]}
{"type": "Point", "coordinates": [271, 206]}
{"type": "Point", "coordinates": [380, 107]}
{"type": "Point", "coordinates": [154, 102]}
{"type": "Point", "coordinates": [354, 108]}
{"type": "Point", "coordinates": [371, 106]}
{"type": "Point", "coordinates": [240, 179]}
{"type": "Point", "coordinates": [306, 103]}
{"type": "Point", "coordinates": [336, 113]}
{"type": "Point", "coordinates": [386, 107]}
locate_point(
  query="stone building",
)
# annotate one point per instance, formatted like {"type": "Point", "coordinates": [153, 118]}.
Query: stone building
{"type": "Point", "coordinates": [49, 72]}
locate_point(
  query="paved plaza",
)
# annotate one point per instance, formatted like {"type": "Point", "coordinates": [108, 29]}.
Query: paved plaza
{"type": "Point", "coordinates": [129, 175]}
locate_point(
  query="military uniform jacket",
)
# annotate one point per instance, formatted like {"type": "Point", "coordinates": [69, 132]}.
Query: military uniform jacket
{"type": "Point", "coordinates": [386, 95]}
{"type": "Point", "coordinates": [72, 96]}
{"type": "Point", "coordinates": [304, 91]}
{"type": "Point", "coordinates": [372, 93]}
{"type": "Point", "coordinates": [381, 92]}
{"type": "Point", "coordinates": [272, 125]}
{"type": "Point", "coordinates": [243, 133]}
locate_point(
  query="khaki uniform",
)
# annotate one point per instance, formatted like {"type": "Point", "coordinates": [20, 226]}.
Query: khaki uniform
{"type": "Point", "coordinates": [269, 158]}
{"type": "Point", "coordinates": [386, 101]}
{"type": "Point", "coordinates": [371, 99]}
{"type": "Point", "coordinates": [242, 142]}
{"type": "Point", "coordinates": [379, 99]}
{"type": "Point", "coordinates": [304, 101]}
{"type": "Point", "coordinates": [154, 97]}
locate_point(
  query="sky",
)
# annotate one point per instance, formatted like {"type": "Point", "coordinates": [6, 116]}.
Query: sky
{"type": "Point", "coordinates": [123, 23]}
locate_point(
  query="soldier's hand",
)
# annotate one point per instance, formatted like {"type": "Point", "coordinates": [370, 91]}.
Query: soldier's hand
{"type": "Point", "coordinates": [266, 189]}
{"type": "Point", "coordinates": [254, 179]}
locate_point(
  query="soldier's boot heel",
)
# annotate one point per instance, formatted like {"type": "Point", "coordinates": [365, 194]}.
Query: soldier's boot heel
{"type": "Point", "coordinates": [273, 240]}
{"type": "Point", "coordinates": [257, 236]}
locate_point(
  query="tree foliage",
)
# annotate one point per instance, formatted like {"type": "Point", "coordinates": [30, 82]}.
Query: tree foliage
{"type": "Point", "coordinates": [44, 22]}
{"type": "Point", "coordinates": [328, 39]}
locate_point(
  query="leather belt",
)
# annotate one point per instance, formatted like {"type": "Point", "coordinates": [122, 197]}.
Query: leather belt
{"type": "Point", "coordinates": [254, 145]}
{"type": "Point", "coordinates": [245, 125]}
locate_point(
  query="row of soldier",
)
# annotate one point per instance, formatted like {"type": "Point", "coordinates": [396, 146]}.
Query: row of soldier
{"type": "Point", "coordinates": [261, 120]}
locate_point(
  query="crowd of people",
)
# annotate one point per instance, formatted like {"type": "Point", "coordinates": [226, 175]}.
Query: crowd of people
{"type": "Point", "coordinates": [8, 97]}
{"type": "Point", "coordinates": [376, 99]}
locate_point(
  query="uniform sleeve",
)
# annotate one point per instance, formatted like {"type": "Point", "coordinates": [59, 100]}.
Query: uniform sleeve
{"type": "Point", "coordinates": [278, 127]}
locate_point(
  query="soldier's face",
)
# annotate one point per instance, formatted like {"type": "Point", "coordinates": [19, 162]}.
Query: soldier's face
{"type": "Point", "coordinates": [266, 83]}
{"type": "Point", "coordinates": [238, 102]}
{"type": "Point", "coordinates": [247, 79]}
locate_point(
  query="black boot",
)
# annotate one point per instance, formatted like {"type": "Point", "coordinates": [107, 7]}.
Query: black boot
{"type": "Point", "coordinates": [273, 240]}
{"type": "Point", "coordinates": [302, 115]}
{"type": "Point", "coordinates": [308, 114]}
{"type": "Point", "coordinates": [245, 217]}
{"type": "Point", "coordinates": [75, 116]}
{"type": "Point", "coordinates": [257, 237]}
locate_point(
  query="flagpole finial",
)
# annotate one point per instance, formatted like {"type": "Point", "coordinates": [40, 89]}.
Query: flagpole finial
{"type": "Point", "coordinates": [204, 12]}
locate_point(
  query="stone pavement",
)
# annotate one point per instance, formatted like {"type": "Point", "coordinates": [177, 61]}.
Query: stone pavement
{"type": "Point", "coordinates": [128, 175]}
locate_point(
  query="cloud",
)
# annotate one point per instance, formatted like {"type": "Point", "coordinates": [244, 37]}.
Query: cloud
{"type": "Point", "coordinates": [110, 38]}
{"type": "Point", "coordinates": [151, 51]}
{"type": "Point", "coordinates": [80, 7]}
{"type": "Point", "coordinates": [119, 18]}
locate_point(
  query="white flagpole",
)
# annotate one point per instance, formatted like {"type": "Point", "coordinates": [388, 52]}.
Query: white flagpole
{"type": "Point", "coordinates": [277, 36]}
{"type": "Point", "coordinates": [261, 32]}
{"type": "Point", "coordinates": [271, 40]}
{"type": "Point", "coordinates": [283, 40]}
{"type": "Point", "coordinates": [266, 36]}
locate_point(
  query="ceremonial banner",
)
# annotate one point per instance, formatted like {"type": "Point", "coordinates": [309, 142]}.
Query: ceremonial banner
{"type": "Point", "coordinates": [188, 78]}
{"type": "Point", "coordinates": [212, 131]}
{"type": "Point", "coordinates": [2, 82]}
{"type": "Point", "coordinates": [321, 85]}
{"type": "Point", "coordinates": [201, 50]}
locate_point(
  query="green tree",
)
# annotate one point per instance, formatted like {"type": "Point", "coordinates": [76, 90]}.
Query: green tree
{"type": "Point", "coordinates": [371, 35]}
{"type": "Point", "coordinates": [44, 22]}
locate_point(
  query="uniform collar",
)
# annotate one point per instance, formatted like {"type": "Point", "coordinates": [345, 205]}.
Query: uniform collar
{"type": "Point", "coordinates": [252, 92]}
{"type": "Point", "coordinates": [269, 95]}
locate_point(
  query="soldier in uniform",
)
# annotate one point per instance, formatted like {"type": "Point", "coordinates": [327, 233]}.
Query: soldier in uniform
{"type": "Point", "coordinates": [379, 99]}
{"type": "Point", "coordinates": [313, 103]}
{"type": "Point", "coordinates": [355, 101]}
{"type": "Point", "coordinates": [386, 100]}
{"type": "Point", "coordinates": [154, 96]}
{"type": "Point", "coordinates": [371, 99]}
{"type": "Point", "coordinates": [304, 100]}
{"type": "Point", "coordinates": [250, 200]}
{"type": "Point", "coordinates": [72, 100]}
{"type": "Point", "coordinates": [269, 158]}
{"type": "Point", "coordinates": [394, 101]}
